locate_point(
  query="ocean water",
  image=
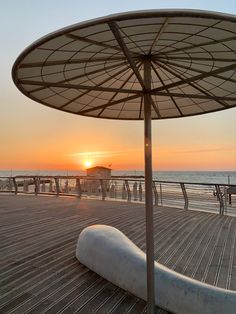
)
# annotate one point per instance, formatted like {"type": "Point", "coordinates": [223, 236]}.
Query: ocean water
{"type": "Point", "coordinates": [221, 177]}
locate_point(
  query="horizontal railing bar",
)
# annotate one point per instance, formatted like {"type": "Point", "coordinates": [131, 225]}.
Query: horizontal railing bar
{"type": "Point", "coordinates": [115, 178]}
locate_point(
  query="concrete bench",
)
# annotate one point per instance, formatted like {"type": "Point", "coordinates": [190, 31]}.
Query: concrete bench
{"type": "Point", "coordinates": [109, 253]}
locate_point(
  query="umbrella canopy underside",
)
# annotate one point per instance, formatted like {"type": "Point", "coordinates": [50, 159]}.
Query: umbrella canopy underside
{"type": "Point", "coordinates": [96, 68]}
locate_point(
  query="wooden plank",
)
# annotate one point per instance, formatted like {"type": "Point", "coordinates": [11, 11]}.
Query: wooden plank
{"type": "Point", "coordinates": [39, 271]}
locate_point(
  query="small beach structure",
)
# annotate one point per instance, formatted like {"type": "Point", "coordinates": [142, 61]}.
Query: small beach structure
{"type": "Point", "coordinates": [99, 172]}
{"type": "Point", "coordinates": [142, 65]}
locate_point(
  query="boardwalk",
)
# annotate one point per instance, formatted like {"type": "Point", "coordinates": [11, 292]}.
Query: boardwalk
{"type": "Point", "coordinates": [40, 274]}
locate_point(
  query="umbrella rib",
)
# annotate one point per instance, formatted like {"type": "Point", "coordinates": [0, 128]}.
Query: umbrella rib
{"type": "Point", "coordinates": [207, 93]}
{"type": "Point", "coordinates": [194, 58]}
{"type": "Point", "coordinates": [188, 36]}
{"type": "Point", "coordinates": [109, 104]}
{"type": "Point", "coordinates": [72, 61]}
{"type": "Point", "coordinates": [84, 93]}
{"type": "Point", "coordinates": [197, 87]}
{"type": "Point", "coordinates": [93, 42]}
{"type": "Point", "coordinates": [197, 77]}
{"type": "Point", "coordinates": [59, 71]}
{"type": "Point", "coordinates": [172, 98]}
{"type": "Point", "coordinates": [129, 77]}
{"type": "Point", "coordinates": [193, 100]}
{"type": "Point", "coordinates": [131, 40]}
{"type": "Point", "coordinates": [158, 35]}
{"type": "Point", "coordinates": [94, 72]}
{"type": "Point", "coordinates": [194, 96]}
{"type": "Point", "coordinates": [155, 107]}
{"type": "Point", "coordinates": [193, 69]}
{"type": "Point", "coordinates": [78, 86]}
{"type": "Point", "coordinates": [128, 54]}
{"type": "Point", "coordinates": [124, 102]}
{"type": "Point", "coordinates": [200, 45]}
{"type": "Point", "coordinates": [82, 75]}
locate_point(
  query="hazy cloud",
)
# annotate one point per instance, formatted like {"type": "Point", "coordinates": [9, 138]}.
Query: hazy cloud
{"type": "Point", "coordinates": [97, 154]}
{"type": "Point", "coordinates": [206, 150]}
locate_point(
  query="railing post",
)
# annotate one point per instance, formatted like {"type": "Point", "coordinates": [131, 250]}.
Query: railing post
{"type": "Point", "coordinates": [128, 190]}
{"type": "Point", "coordinates": [112, 191]}
{"type": "Point", "coordinates": [78, 188]}
{"type": "Point", "coordinates": [124, 192]}
{"type": "Point", "coordinates": [185, 195]}
{"type": "Point", "coordinates": [35, 185]}
{"type": "Point", "coordinates": [161, 194]}
{"type": "Point", "coordinates": [155, 193]}
{"type": "Point", "coordinates": [103, 189]}
{"type": "Point", "coordinates": [96, 188]}
{"type": "Point", "coordinates": [66, 187]}
{"type": "Point", "coordinates": [15, 185]}
{"type": "Point", "coordinates": [135, 191]}
{"type": "Point", "coordinates": [230, 199]}
{"type": "Point", "coordinates": [57, 186]}
{"type": "Point", "coordinates": [140, 191]}
{"type": "Point", "coordinates": [225, 199]}
{"type": "Point", "coordinates": [10, 183]}
{"type": "Point", "coordinates": [115, 190]}
{"type": "Point", "coordinates": [25, 186]}
{"type": "Point", "coordinates": [220, 198]}
{"type": "Point", "coordinates": [50, 185]}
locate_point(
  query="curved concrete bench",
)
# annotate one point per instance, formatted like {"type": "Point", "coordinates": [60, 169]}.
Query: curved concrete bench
{"type": "Point", "coordinates": [109, 253]}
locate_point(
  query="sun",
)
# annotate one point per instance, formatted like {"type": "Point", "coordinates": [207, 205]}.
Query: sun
{"type": "Point", "coordinates": [88, 163]}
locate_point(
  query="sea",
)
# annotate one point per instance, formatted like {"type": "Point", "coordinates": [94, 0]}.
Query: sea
{"type": "Point", "coordinates": [220, 177]}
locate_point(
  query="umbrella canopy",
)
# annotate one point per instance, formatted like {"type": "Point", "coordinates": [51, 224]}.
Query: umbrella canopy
{"type": "Point", "coordinates": [133, 66]}
{"type": "Point", "coordinates": [95, 68]}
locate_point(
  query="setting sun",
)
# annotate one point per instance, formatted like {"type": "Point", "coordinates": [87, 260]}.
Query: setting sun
{"type": "Point", "coordinates": [88, 163]}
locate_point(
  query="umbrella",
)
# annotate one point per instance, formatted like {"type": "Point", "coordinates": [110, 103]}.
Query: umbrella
{"type": "Point", "coordinates": [141, 65]}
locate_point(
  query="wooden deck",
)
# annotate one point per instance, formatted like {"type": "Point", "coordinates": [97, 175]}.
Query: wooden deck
{"type": "Point", "coordinates": [40, 274]}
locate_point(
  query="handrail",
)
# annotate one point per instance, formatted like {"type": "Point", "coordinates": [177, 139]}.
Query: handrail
{"type": "Point", "coordinates": [131, 178]}
{"type": "Point", "coordinates": [186, 195]}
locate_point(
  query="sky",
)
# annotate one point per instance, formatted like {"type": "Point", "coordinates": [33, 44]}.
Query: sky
{"type": "Point", "coordinates": [37, 137]}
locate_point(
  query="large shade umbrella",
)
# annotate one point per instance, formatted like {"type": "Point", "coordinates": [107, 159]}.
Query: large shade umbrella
{"type": "Point", "coordinates": [142, 65]}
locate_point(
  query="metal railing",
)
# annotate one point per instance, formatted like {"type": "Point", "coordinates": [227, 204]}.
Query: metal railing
{"type": "Point", "coordinates": [195, 196]}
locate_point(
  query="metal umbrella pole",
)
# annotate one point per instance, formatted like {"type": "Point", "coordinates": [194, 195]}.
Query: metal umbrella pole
{"type": "Point", "coordinates": [148, 189]}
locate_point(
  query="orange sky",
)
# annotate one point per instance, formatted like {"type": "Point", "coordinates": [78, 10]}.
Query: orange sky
{"type": "Point", "coordinates": [50, 139]}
